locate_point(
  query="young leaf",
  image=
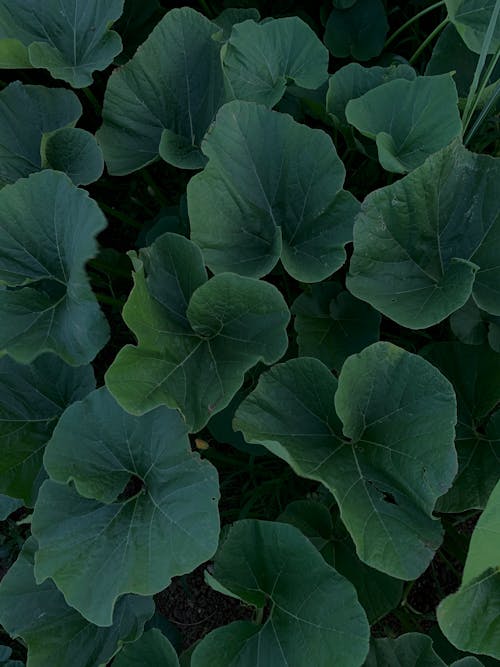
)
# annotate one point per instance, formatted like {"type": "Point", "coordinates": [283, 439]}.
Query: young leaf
{"type": "Point", "coordinates": [409, 120]}
{"type": "Point", "coordinates": [381, 440]}
{"type": "Point", "coordinates": [475, 375]}
{"type": "Point", "coordinates": [260, 59]}
{"type": "Point", "coordinates": [47, 234]}
{"type": "Point", "coordinates": [196, 338]}
{"type": "Point", "coordinates": [314, 619]}
{"type": "Point", "coordinates": [121, 488]}
{"type": "Point", "coordinates": [358, 31]}
{"type": "Point", "coordinates": [470, 618]}
{"type": "Point", "coordinates": [271, 190]}
{"type": "Point", "coordinates": [425, 243]}
{"type": "Point", "coordinates": [151, 650]}
{"type": "Point", "coordinates": [163, 100]}
{"type": "Point", "coordinates": [69, 38]}
{"type": "Point", "coordinates": [471, 18]}
{"type": "Point", "coordinates": [75, 152]}
{"type": "Point", "coordinates": [331, 324]}
{"type": "Point", "coordinates": [32, 398]}
{"type": "Point", "coordinates": [410, 650]}
{"type": "Point", "coordinates": [54, 632]}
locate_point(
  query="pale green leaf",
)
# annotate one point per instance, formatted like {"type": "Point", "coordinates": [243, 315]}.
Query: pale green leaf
{"type": "Point", "coordinates": [471, 18]}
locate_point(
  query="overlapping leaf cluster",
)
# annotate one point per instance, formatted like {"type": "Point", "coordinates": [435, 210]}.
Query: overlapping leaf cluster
{"type": "Point", "coordinates": [297, 311]}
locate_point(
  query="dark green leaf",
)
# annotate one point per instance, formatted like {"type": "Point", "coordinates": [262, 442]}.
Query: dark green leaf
{"type": "Point", "coordinates": [358, 31]}
{"type": "Point", "coordinates": [8, 505]}
{"type": "Point", "coordinates": [150, 650]}
{"type": "Point", "coordinates": [474, 326]}
{"type": "Point", "coordinates": [75, 152]}
{"type": "Point", "coordinates": [410, 650]}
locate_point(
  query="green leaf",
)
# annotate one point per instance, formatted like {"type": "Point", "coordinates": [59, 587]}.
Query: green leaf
{"type": "Point", "coordinates": [409, 120]}
{"type": "Point", "coordinates": [196, 338]}
{"type": "Point", "coordinates": [138, 19]}
{"type": "Point", "coordinates": [358, 31]}
{"type": "Point", "coordinates": [228, 18]}
{"type": "Point", "coordinates": [8, 505]}
{"type": "Point", "coordinates": [381, 440]}
{"type": "Point", "coordinates": [271, 190]}
{"type": "Point", "coordinates": [68, 38]}
{"type": "Point", "coordinates": [331, 324]}
{"type": "Point", "coordinates": [75, 152]}
{"type": "Point", "coordinates": [475, 375]}
{"type": "Point", "coordinates": [150, 650]}
{"type": "Point", "coordinates": [164, 99]}
{"type": "Point", "coordinates": [55, 633]}
{"type": "Point", "coordinates": [424, 244]}
{"type": "Point", "coordinates": [128, 505]}
{"type": "Point", "coordinates": [410, 650]}
{"type": "Point", "coordinates": [260, 59]}
{"type": "Point", "coordinates": [32, 398]}
{"type": "Point", "coordinates": [471, 18]}
{"type": "Point", "coordinates": [354, 80]}
{"type": "Point", "coordinates": [221, 428]}
{"type": "Point", "coordinates": [314, 619]}
{"type": "Point", "coordinates": [378, 594]}
{"type": "Point", "coordinates": [5, 653]}
{"type": "Point", "coordinates": [474, 326]}
{"type": "Point", "coordinates": [47, 234]}
{"type": "Point", "coordinates": [470, 618]}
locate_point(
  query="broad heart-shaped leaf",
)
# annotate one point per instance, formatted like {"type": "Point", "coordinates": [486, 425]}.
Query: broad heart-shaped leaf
{"type": "Point", "coordinates": [424, 244]}
{"type": "Point", "coordinates": [32, 138]}
{"type": "Point", "coordinates": [55, 633]}
{"type": "Point", "coordinates": [163, 100]}
{"type": "Point", "coordinates": [196, 338]}
{"type": "Point", "coordinates": [271, 190]}
{"type": "Point", "coordinates": [128, 506]}
{"type": "Point", "coordinates": [474, 326]}
{"type": "Point", "coordinates": [331, 324]}
{"type": "Point", "coordinates": [47, 234]}
{"type": "Point", "coordinates": [354, 80]}
{"type": "Point", "coordinates": [358, 31]}
{"type": "Point", "coordinates": [471, 18]}
{"type": "Point", "coordinates": [32, 398]}
{"type": "Point", "coordinates": [470, 618]}
{"type": "Point", "coordinates": [69, 38]}
{"type": "Point", "coordinates": [151, 650]}
{"type": "Point", "coordinates": [378, 594]}
{"type": "Point", "coordinates": [314, 618]}
{"type": "Point", "coordinates": [410, 650]}
{"type": "Point", "coordinates": [259, 59]}
{"type": "Point", "coordinates": [409, 120]}
{"type": "Point", "coordinates": [380, 439]}
{"type": "Point", "coordinates": [474, 372]}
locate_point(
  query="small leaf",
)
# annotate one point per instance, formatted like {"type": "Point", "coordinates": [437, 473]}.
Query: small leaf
{"type": "Point", "coordinates": [260, 59]}
{"type": "Point", "coordinates": [409, 120]}
{"type": "Point", "coordinates": [271, 190]}
{"type": "Point", "coordinates": [68, 38]}
{"type": "Point", "coordinates": [55, 633]}
{"type": "Point", "coordinates": [381, 440]}
{"type": "Point", "coordinates": [121, 485]}
{"type": "Point", "coordinates": [425, 243]}
{"type": "Point", "coordinates": [471, 18]}
{"type": "Point", "coordinates": [474, 326]}
{"type": "Point", "coordinates": [196, 338]}
{"type": "Point", "coordinates": [314, 619]}
{"type": "Point", "coordinates": [410, 650]}
{"type": "Point", "coordinates": [75, 152]}
{"type": "Point", "coordinates": [47, 234]}
{"type": "Point", "coordinates": [164, 99]}
{"type": "Point", "coordinates": [358, 31]}
{"type": "Point", "coordinates": [470, 618]}
{"type": "Point", "coordinates": [151, 650]}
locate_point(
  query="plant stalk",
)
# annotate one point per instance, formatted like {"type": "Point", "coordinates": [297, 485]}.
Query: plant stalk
{"type": "Point", "coordinates": [411, 21]}
{"type": "Point", "coordinates": [428, 40]}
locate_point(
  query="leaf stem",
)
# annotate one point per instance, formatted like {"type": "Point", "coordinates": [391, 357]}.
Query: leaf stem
{"type": "Point", "coordinates": [470, 107]}
{"type": "Point", "coordinates": [428, 40]}
{"type": "Point", "coordinates": [93, 100]}
{"type": "Point", "coordinates": [413, 19]}
{"type": "Point", "coordinates": [149, 180]}
{"type": "Point", "coordinates": [259, 615]}
{"type": "Point", "coordinates": [208, 12]}
{"type": "Point", "coordinates": [119, 215]}
{"type": "Point", "coordinates": [105, 298]}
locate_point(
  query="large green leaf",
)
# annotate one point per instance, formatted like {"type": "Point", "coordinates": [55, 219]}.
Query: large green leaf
{"type": "Point", "coordinates": [424, 244]}
{"type": "Point", "coordinates": [410, 650]}
{"type": "Point", "coordinates": [271, 190]}
{"type": "Point", "coordinates": [354, 80]}
{"type": "Point", "coordinates": [128, 505]}
{"type": "Point", "coordinates": [36, 131]}
{"type": "Point", "coordinates": [381, 440]}
{"type": "Point", "coordinates": [475, 375]}
{"type": "Point", "coordinates": [47, 234]}
{"type": "Point", "coordinates": [471, 18]}
{"type": "Point", "coordinates": [470, 618]}
{"type": "Point", "coordinates": [71, 39]}
{"type": "Point", "coordinates": [151, 650]}
{"type": "Point", "coordinates": [163, 100]}
{"type": "Point", "coordinates": [260, 59]}
{"type": "Point", "coordinates": [196, 338]}
{"type": "Point", "coordinates": [32, 398]}
{"type": "Point", "coordinates": [314, 617]}
{"type": "Point", "coordinates": [358, 31]}
{"type": "Point", "coordinates": [378, 594]}
{"type": "Point", "coordinates": [55, 633]}
{"type": "Point", "coordinates": [409, 120]}
{"type": "Point", "coordinates": [331, 324]}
